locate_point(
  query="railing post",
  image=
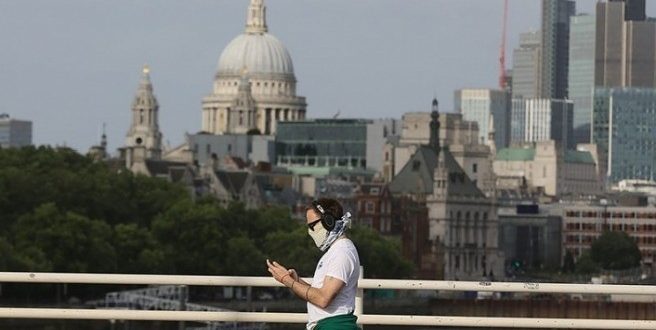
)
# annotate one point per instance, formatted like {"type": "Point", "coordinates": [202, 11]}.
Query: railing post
{"type": "Point", "coordinates": [359, 296]}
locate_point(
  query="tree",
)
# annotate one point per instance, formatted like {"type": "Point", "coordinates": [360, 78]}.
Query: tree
{"type": "Point", "coordinates": [380, 256]}
{"type": "Point", "coordinates": [615, 250]}
{"type": "Point", "coordinates": [137, 250]}
{"type": "Point", "coordinates": [293, 249]}
{"type": "Point", "coordinates": [585, 264]}
{"type": "Point", "coordinates": [192, 239]}
{"type": "Point", "coordinates": [244, 258]}
{"type": "Point", "coordinates": [71, 242]}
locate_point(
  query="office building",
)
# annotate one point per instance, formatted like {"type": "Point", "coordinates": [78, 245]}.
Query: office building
{"type": "Point", "coordinates": [625, 49]}
{"type": "Point", "coordinates": [623, 126]}
{"type": "Point", "coordinates": [480, 105]}
{"type": "Point", "coordinates": [526, 66]}
{"type": "Point", "coordinates": [581, 73]}
{"type": "Point", "coordinates": [329, 143]}
{"type": "Point", "coordinates": [555, 47]}
{"type": "Point", "coordinates": [535, 120]}
{"type": "Point", "coordinates": [529, 237]}
{"type": "Point", "coordinates": [14, 133]}
{"type": "Point", "coordinates": [582, 224]}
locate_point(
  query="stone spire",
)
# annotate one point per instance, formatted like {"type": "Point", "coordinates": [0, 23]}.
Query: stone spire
{"type": "Point", "coordinates": [434, 141]}
{"type": "Point", "coordinates": [256, 18]}
{"type": "Point", "coordinates": [144, 130]}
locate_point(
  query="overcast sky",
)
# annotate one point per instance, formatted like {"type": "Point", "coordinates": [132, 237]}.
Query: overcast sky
{"type": "Point", "coordinates": [70, 65]}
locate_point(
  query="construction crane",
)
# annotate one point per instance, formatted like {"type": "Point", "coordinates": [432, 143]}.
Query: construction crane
{"type": "Point", "coordinates": [502, 51]}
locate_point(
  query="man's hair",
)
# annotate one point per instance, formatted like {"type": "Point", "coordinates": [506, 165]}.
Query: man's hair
{"type": "Point", "coordinates": [331, 206]}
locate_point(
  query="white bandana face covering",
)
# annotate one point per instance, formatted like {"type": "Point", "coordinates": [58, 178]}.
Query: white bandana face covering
{"type": "Point", "coordinates": [323, 239]}
{"type": "Point", "coordinates": [319, 234]}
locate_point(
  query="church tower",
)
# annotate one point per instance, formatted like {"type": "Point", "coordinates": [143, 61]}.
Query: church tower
{"type": "Point", "coordinates": [241, 115]}
{"type": "Point", "coordinates": [144, 131]}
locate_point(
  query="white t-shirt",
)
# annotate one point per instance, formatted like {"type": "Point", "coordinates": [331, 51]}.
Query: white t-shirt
{"type": "Point", "coordinates": [341, 261]}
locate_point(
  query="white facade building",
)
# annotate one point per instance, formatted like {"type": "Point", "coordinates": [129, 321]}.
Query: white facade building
{"type": "Point", "coordinates": [255, 85]}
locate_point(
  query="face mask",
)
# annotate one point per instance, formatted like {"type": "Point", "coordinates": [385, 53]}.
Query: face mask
{"type": "Point", "coordinates": [319, 234]}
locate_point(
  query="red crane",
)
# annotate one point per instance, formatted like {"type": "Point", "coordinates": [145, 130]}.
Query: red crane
{"type": "Point", "coordinates": [502, 52]}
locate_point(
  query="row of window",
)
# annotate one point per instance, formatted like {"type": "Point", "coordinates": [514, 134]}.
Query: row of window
{"type": "Point", "coordinates": [588, 239]}
{"type": "Point", "coordinates": [628, 227]}
{"type": "Point", "coordinates": [467, 215]}
{"type": "Point", "coordinates": [610, 215]}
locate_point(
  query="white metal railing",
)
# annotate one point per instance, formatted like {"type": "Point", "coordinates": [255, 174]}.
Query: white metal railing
{"type": "Point", "coordinates": [408, 320]}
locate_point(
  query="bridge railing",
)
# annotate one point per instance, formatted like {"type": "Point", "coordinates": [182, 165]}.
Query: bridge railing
{"type": "Point", "coordinates": [267, 317]}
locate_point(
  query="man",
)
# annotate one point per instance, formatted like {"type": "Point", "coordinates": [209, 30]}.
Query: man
{"type": "Point", "coordinates": [331, 295]}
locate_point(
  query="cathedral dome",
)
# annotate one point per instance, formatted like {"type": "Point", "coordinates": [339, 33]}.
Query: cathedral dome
{"type": "Point", "coordinates": [258, 53]}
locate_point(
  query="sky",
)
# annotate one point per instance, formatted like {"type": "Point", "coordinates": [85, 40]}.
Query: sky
{"type": "Point", "coordinates": [71, 65]}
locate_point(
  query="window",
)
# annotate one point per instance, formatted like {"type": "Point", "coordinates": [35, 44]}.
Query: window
{"type": "Point", "coordinates": [474, 167]}
{"type": "Point", "coordinates": [370, 207]}
{"type": "Point", "coordinates": [415, 165]}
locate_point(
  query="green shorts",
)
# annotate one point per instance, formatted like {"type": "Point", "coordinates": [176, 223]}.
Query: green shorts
{"type": "Point", "coordinates": [339, 322]}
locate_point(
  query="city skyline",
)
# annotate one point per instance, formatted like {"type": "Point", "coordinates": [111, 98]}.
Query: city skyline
{"type": "Point", "coordinates": [73, 65]}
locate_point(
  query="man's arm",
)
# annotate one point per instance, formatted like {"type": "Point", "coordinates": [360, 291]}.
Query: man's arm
{"type": "Point", "coordinates": [321, 297]}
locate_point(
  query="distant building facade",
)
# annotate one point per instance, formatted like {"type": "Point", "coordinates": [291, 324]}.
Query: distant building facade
{"type": "Point", "coordinates": [546, 166]}
{"type": "Point", "coordinates": [581, 73]}
{"type": "Point", "coordinates": [479, 105]}
{"type": "Point", "coordinates": [202, 148]}
{"type": "Point", "coordinates": [535, 120]}
{"type": "Point", "coordinates": [526, 66]}
{"type": "Point", "coordinates": [462, 239]}
{"type": "Point", "coordinates": [530, 237]}
{"type": "Point", "coordinates": [623, 128]}
{"type": "Point", "coordinates": [582, 224]}
{"type": "Point", "coordinates": [329, 143]}
{"type": "Point", "coordinates": [374, 208]}
{"type": "Point", "coordinates": [625, 45]}
{"type": "Point", "coordinates": [14, 133]}
{"type": "Point", "coordinates": [555, 47]}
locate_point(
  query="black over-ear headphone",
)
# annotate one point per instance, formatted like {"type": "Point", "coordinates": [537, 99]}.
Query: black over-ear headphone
{"type": "Point", "coordinates": [327, 219]}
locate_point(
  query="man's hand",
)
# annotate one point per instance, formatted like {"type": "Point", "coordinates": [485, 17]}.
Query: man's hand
{"type": "Point", "coordinates": [280, 273]}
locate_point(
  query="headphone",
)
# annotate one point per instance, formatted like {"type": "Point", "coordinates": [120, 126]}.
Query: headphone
{"type": "Point", "coordinates": [327, 220]}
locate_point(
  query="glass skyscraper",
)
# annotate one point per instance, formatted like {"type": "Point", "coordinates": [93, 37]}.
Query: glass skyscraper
{"type": "Point", "coordinates": [535, 120]}
{"type": "Point", "coordinates": [526, 66]}
{"type": "Point", "coordinates": [555, 44]}
{"type": "Point", "coordinates": [477, 104]}
{"type": "Point", "coordinates": [581, 73]}
{"type": "Point", "coordinates": [624, 128]}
